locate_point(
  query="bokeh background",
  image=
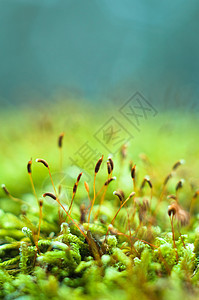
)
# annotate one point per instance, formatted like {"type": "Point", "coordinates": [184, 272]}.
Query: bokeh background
{"type": "Point", "coordinates": [70, 65]}
{"type": "Point", "coordinates": [99, 50]}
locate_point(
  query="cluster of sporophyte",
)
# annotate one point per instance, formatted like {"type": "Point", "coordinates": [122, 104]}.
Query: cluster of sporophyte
{"type": "Point", "coordinates": [98, 249]}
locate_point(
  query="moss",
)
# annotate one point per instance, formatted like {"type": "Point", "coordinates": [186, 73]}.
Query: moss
{"type": "Point", "coordinates": [126, 250]}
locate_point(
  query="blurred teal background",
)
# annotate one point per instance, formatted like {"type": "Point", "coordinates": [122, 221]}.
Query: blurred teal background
{"type": "Point", "coordinates": [100, 50]}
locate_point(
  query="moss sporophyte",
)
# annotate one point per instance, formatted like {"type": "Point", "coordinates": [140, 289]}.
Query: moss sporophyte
{"type": "Point", "coordinates": [101, 240]}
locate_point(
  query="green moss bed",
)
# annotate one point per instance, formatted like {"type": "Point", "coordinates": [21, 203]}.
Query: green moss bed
{"type": "Point", "coordinates": [135, 254]}
{"type": "Point", "coordinates": [129, 232]}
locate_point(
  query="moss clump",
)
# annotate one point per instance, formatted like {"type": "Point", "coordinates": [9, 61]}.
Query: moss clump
{"type": "Point", "coordinates": [80, 250]}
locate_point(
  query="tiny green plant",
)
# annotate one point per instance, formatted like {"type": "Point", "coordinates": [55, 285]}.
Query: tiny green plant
{"type": "Point", "coordinates": [96, 242]}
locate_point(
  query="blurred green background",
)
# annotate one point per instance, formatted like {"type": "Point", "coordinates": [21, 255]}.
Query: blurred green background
{"type": "Point", "coordinates": [33, 133]}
